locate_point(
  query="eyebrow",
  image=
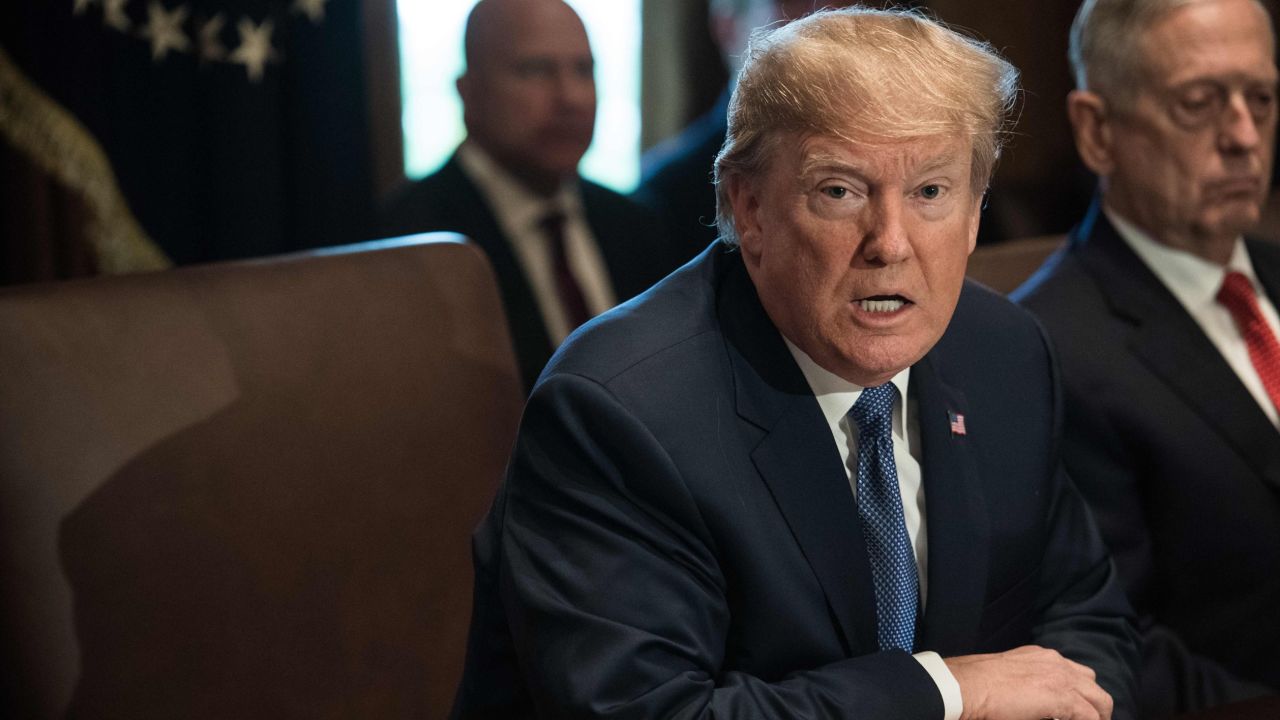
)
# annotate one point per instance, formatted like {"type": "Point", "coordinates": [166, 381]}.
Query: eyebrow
{"type": "Point", "coordinates": [826, 161]}
{"type": "Point", "coordinates": [819, 162]}
{"type": "Point", "coordinates": [1230, 79]}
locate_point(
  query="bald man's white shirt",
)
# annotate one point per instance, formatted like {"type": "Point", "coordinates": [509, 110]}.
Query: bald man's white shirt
{"type": "Point", "coordinates": [520, 213]}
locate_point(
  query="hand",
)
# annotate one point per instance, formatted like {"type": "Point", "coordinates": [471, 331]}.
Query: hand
{"type": "Point", "coordinates": [1028, 683]}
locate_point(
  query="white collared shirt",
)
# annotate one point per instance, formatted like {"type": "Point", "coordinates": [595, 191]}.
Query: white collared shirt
{"type": "Point", "coordinates": [519, 213]}
{"type": "Point", "coordinates": [836, 397]}
{"type": "Point", "coordinates": [1195, 282]}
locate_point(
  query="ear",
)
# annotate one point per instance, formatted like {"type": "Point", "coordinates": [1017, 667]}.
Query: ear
{"type": "Point", "coordinates": [744, 203]}
{"type": "Point", "coordinates": [1092, 127]}
{"type": "Point", "coordinates": [465, 84]}
{"type": "Point", "coordinates": [975, 217]}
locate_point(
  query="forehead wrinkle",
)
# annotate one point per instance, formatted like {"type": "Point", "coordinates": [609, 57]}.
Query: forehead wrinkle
{"type": "Point", "coordinates": [1202, 46]}
{"type": "Point", "coordinates": [940, 160]}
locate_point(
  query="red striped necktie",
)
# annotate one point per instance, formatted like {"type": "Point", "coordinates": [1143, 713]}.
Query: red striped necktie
{"type": "Point", "coordinates": [1264, 351]}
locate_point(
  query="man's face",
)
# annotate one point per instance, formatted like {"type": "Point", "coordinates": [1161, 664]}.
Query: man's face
{"type": "Point", "coordinates": [858, 250]}
{"type": "Point", "coordinates": [530, 96]}
{"type": "Point", "coordinates": [1191, 160]}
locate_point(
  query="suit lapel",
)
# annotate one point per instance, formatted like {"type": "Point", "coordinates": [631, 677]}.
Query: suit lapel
{"type": "Point", "coordinates": [1266, 263]}
{"type": "Point", "coordinates": [956, 516]}
{"type": "Point", "coordinates": [1169, 342]}
{"type": "Point", "coordinates": [471, 212]}
{"type": "Point", "coordinates": [616, 239]}
{"type": "Point", "coordinates": [798, 461]}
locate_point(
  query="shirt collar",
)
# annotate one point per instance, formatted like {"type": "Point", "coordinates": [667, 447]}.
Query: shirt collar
{"type": "Point", "coordinates": [510, 199]}
{"type": "Point", "coordinates": [836, 396]}
{"type": "Point", "coordinates": [1193, 280]}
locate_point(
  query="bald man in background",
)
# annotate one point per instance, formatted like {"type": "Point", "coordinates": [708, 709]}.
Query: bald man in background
{"type": "Point", "coordinates": [564, 249]}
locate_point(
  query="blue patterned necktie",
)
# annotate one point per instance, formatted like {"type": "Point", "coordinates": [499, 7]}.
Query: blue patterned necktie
{"type": "Point", "coordinates": [893, 563]}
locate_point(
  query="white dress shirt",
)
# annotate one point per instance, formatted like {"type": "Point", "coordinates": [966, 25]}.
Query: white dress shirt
{"type": "Point", "coordinates": [1195, 282]}
{"type": "Point", "coordinates": [519, 213]}
{"type": "Point", "coordinates": [836, 397]}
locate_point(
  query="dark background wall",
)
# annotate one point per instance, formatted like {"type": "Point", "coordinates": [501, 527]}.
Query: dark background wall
{"type": "Point", "coordinates": [324, 120]}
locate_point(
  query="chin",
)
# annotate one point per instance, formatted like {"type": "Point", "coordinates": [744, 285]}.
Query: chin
{"type": "Point", "coordinates": [875, 363]}
{"type": "Point", "coordinates": [1233, 222]}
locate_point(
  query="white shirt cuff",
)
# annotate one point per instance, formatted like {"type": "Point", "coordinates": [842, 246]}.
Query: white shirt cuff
{"type": "Point", "coordinates": [952, 705]}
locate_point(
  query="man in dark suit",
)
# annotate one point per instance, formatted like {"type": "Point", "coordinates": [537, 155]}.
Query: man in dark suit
{"type": "Point", "coordinates": [1164, 320]}
{"type": "Point", "coordinates": [563, 248]}
{"type": "Point", "coordinates": [695, 523]}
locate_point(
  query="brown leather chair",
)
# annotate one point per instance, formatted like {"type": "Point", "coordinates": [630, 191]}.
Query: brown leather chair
{"type": "Point", "coordinates": [1004, 266]}
{"type": "Point", "coordinates": [246, 490]}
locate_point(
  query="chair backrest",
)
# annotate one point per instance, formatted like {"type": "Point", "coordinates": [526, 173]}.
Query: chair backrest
{"type": "Point", "coordinates": [247, 489]}
{"type": "Point", "coordinates": [1004, 266]}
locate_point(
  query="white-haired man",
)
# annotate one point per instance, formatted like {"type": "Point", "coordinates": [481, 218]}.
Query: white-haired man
{"type": "Point", "coordinates": [1164, 319]}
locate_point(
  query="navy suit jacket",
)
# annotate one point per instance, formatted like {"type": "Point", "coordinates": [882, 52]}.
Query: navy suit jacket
{"type": "Point", "coordinates": [677, 181]}
{"type": "Point", "coordinates": [635, 249]}
{"type": "Point", "coordinates": [1180, 464]}
{"type": "Point", "coordinates": [676, 535]}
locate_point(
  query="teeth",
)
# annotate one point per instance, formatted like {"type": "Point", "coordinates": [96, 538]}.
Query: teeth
{"type": "Point", "coordinates": [881, 305]}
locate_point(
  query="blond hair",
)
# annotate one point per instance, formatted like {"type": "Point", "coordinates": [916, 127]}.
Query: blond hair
{"type": "Point", "coordinates": [887, 74]}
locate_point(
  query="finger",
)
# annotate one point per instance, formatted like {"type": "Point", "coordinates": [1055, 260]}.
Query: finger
{"type": "Point", "coordinates": [1098, 699]}
{"type": "Point", "coordinates": [1079, 709]}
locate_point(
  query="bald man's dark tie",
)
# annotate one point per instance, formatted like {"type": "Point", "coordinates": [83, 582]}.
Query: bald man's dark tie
{"type": "Point", "coordinates": [567, 289]}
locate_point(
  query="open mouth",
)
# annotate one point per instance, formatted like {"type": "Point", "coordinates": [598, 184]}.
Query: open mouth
{"type": "Point", "coordinates": [883, 303]}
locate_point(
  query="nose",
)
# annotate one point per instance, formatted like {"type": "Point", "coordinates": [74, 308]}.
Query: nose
{"type": "Point", "coordinates": [1239, 131]}
{"type": "Point", "coordinates": [887, 242]}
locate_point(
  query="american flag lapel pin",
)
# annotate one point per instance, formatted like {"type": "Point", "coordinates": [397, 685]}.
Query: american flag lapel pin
{"type": "Point", "coordinates": [957, 422]}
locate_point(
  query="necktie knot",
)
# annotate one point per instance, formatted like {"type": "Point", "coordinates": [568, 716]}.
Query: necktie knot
{"type": "Point", "coordinates": [552, 223]}
{"type": "Point", "coordinates": [1236, 295]}
{"type": "Point", "coordinates": [873, 411]}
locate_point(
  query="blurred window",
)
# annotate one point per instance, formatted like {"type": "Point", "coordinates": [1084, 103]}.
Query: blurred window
{"type": "Point", "coordinates": [431, 59]}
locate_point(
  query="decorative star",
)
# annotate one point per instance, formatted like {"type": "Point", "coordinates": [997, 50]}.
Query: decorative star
{"type": "Point", "coordinates": [313, 9]}
{"type": "Point", "coordinates": [255, 49]}
{"type": "Point", "coordinates": [114, 16]}
{"type": "Point", "coordinates": [164, 29]}
{"type": "Point", "coordinates": [81, 5]}
{"type": "Point", "coordinates": [209, 46]}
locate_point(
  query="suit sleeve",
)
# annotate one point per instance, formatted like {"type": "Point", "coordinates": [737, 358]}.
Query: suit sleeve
{"type": "Point", "coordinates": [1082, 608]}
{"type": "Point", "coordinates": [616, 602]}
{"type": "Point", "coordinates": [1108, 473]}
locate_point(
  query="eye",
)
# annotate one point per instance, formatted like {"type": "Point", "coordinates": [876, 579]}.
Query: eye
{"type": "Point", "coordinates": [836, 192]}
{"type": "Point", "coordinates": [1261, 103]}
{"type": "Point", "coordinates": [1198, 104]}
{"type": "Point", "coordinates": [534, 68]}
{"type": "Point", "coordinates": [931, 192]}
